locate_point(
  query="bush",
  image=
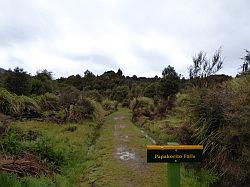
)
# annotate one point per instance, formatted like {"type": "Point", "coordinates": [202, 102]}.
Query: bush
{"type": "Point", "coordinates": [142, 106]}
{"type": "Point", "coordinates": [220, 118]}
{"type": "Point", "coordinates": [11, 104]}
{"type": "Point", "coordinates": [120, 93]}
{"type": "Point", "coordinates": [48, 101]}
{"type": "Point", "coordinates": [8, 103]}
{"type": "Point", "coordinates": [54, 156]}
{"type": "Point", "coordinates": [99, 112]}
{"type": "Point", "coordinates": [151, 90]}
{"type": "Point", "coordinates": [182, 99]}
{"type": "Point", "coordinates": [81, 110]}
{"type": "Point", "coordinates": [94, 95]}
{"type": "Point", "coordinates": [109, 105]}
{"type": "Point", "coordinates": [28, 105]}
{"type": "Point", "coordinates": [11, 141]}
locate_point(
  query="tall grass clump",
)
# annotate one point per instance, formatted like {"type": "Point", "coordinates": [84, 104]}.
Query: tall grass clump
{"type": "Point", "coordinates": [109, 105]}
{"type": "Point", "coordinates": [142, 106]}
{"type": "Point", "coordinates": [220, 119]}
{"type": "Point", "coordinates": [8, 103]}
{"type": "Point", "coordinates": [13, 105]}
{"type": "Point", "coordinates": [48, 102]}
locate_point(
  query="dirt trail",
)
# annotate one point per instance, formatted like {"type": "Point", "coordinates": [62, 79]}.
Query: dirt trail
{"type": "Point", "coordinates": [120, 156]}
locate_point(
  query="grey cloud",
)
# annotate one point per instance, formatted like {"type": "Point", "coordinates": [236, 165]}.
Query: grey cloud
{"type": "Point", "coordinates": [22, 22]}
{"type": "Point", "coordinates": [94, 60]}
{"type": "Point", "coordinates": [195, 25]}
{"type": "Point", "coordinates": [154, 60]}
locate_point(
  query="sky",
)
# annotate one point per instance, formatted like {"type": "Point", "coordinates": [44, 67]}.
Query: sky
{"type": "Point", "coordinates": [141, 37]}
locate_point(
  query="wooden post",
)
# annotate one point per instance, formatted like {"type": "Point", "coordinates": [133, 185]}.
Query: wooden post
{"type": "Point", "coordinates": [173, 172]}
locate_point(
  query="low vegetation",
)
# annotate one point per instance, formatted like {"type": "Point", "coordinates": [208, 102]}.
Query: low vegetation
{"type": "Point", "coordinates": [47, 126]}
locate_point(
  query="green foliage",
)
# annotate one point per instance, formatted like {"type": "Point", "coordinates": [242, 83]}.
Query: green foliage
{"type": "Point", "coordinates": [221, 123]}
{"type": "Point", "coordinates": [69, 96]}
{"type": "Point", "coordinates": [136, 91]}
{"type": "Point", "coordinates": [71, 128]}
{"type": "Point", "coordinates": [81, 110]}
{"type": "Point", "coordinates": [182, 99]}
{"type": "Point", "coordinates": [7, 180]}
{"type": "Point", "coordinates": [39, 87]}
{"type": "Point", "coordinates": [93, 94]}
{"type": "Point", "coordinates": [197, 178]}
{"type": "Point", "coordinates": [109, 105]}
{"type": "Point", "coordinates": [48, 101]}
{"type": "Point", "coordinates": [99, 112]}
{"type": "Point", "coordinates": [51, 154]}
{"type": "Point", "coordinates": [8, 103]}
{"type": "Point", "coordinates": [11, 141]}
{"type": "Point", "coordinates": [168, 88]}
{"type": "Point", "coordinates": [202, 67]}
{"type": "Point", "coordinates": [18, 82]}
{"type": "Point", "coordinates": [151, 90]}
{"type": "Point", "coordinates": [11, 104]}
{"type": "Point", "coordinates": [246, 64]}
{"type": "Point", "coordinates": [142, 106]}
{"type": "Point", "coordinates": [28, 105]}
{"type": "Point", "coordinates": [170, 73]}
{"type": "Point", "coordinates": [120, 93]}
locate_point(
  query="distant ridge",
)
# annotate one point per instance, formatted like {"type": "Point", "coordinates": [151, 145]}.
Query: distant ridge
{"type": "Point", "coordinates": [2, 70]}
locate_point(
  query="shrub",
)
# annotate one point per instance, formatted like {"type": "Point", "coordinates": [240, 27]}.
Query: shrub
{"type": "Point", "coordinates": [142, 106]}
{"type": "Point", "coordinates": [8, 103]}
{"type": "Point", "coordinates": [120, 93]}
{"type": "Point", "coordinates": [18, 82]}
{"type": "Point", "coordinates": [11, 141]}
{"type": "Point", "coordinates": [71, 128]}
{"type": "Point", "coordinates": [99, 112]}
{"type": "Point", "coordinates": [49, 153]}
{"type": "Point", "coordinates": [69, 96]}
{"type": "Point", "coordinates": [48, 101]}
{"type": "Point", "coordinates": [109, 105]}
{"type": "Point", "coordinates": [81, 110]}
{"type": "Point", "coordinates": [11, 104]}
{"type": "Point", "coordinates": [94, 95]}
{"type": "Point", "coordinates": [151, 90]}
{"type": "Point", "coordinates": [182, 99]}
{"type": "Point", "coordinates": [220, 118]}
{"type": "Point", "coordinates": [28, 105]}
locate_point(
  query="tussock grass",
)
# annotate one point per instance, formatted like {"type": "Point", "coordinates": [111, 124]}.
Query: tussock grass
{"type": "Point", "coordinates": [64, 151]}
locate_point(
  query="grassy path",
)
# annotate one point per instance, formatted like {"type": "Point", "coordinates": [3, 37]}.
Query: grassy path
{"type": "Point", "coordinates": [120, 156]}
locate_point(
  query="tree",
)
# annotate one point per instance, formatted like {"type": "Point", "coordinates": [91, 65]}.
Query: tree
{"type": "Point", "coordinates": [203, 67]}
{"type": "Point", "coordinates": [69, 96]}
{"type": "Point", "coordinates": [119, 72]}
{"type": "Point", "coordinates": [136, 90]}
{"type": "Point", "coordinates": [88, 80]}
{"type": "Point", "coordinates": [120, 93]}
{"type": "Point", "coordinates": [18, 81]}
{"type": "Point", "coordinates": [151, 90]}
{"type": "Point", "coordinates": [168, 87]}
{"type": "Point", "coordinates": [88, 74]}
{"type": "Point", "coordinates": [42, 82]}
{"type": "Point", "coordinates": [169, 73]}
{"type": "Point", "coordinates": [246, 60]}
{"type": "Point", "coordinates": [44, 75]}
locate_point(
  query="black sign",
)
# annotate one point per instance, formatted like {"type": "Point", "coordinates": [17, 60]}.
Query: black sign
{"type": "Point", "coordinates": [174, 155]}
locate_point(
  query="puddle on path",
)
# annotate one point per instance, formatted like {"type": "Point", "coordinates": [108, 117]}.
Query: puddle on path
{"type": "Point", "coordinates": [118, 118]}
{"type": "Point", "coordinates": [125, 155]}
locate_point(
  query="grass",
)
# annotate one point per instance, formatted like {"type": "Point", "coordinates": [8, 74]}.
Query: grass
{"type": "Point", "coordinates": [74, 146]}
{"type": "Point", "coordinates": [108, 169]}
{"type": "Point", "coordinates": [91, 156]}
{"type": "Point", "coordinates": [162, 131]}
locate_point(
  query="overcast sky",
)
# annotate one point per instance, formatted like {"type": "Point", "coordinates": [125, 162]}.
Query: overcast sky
{"type": "Point", "coordinates": [139, 36]}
